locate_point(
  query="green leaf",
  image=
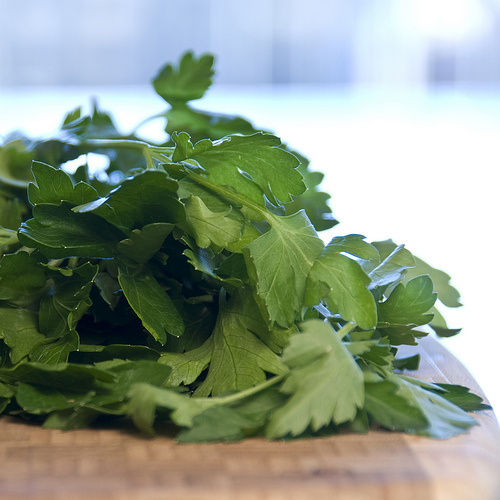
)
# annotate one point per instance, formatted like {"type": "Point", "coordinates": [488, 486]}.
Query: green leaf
{"type": "Point", "coordinates": [401, 334]}
{"type": "Point", "coordinates": [245, 162]}
{"type": "Point", "coordinates": [259, 406]}
{"type": "Point", "coordinates": [70, 419]}
{"type": "Point", "coordinates": [390, 410]}
{"type": "Point", "coordinates": [205, 125]}
{"type": "Point", "coordinates": [109, 288]}
{"type": "Point", "coordinates": [56, 350]}
{"type": "Point", "coordinates": [22, 278]}
{"type": "Point", "coordinates": [408, 363]}
{"type": "Point", "coordinates": [8, 237]}
{"type": "Point", "coordinates": [150, 302]}
{"type": "Point", "coordinates": [11, 215]}
{"type": "Point", "coordinates": [142, 407]}
{"type": "Point", "coordinates": [38, 399]}
{"type": "Point", "coordinates": [143, 243]}
{"type": "Point", "coordinates": [440, 326]}
{"type": "Point", "coordinates": [90, 354]}
{"type": "Point", "coordinates": [187, 366]}
{"type": "Point", "coordinates": [16, 156]}
{"type": "Point", "coordinates": [408, 305]}
{"type": "Point", "coordinates": [44, 398]}
{"type": "Point", "coordinates": [147, 198]}
{"type": "Point", "coordinates": [343, 285]}
{"type": "Point", "coordinates": [353, 244]}
{"type": "Point", "coordinates": [312, 200]}
{"type": "Point", "coordinates": [19, 329]}
{"type": "Point", "coordinates": [248, 410]}
{"type": "Point", "coordinates": [66, 300]}
{"type": "Point", "coordinates": [218, 423]}
{"type": "Point", "coordinates": [278, 264]}
{"type": "Point", "coordinates": [391, 269]}
{"type": "Point", "coordinates": [58, 375]}
{"type": "Point", "coordinates": [189, 81]}
{"type": "Point", "coordinates": [325, 383]}
{"type": "Point", "coordinates": [6, 391]}
{"type": "Point", "coordinates": [53, 186]}
{"type": "Point", "coordinates": [127, 374]}
{"type": "Point", "coordinates": [59, 232]}
{"type": "Point", "coordinates": [97, 125]}
{"type": "Point", "coordinates": [447, 294]}
{"type": "Point", "coordinates": [204, 260]}
{"type": "Point", "coordinates": [462, 397]}
{"type": "Point", "coordinates": [376, 352]}
{"type": "Point", "coordinates": [234, 266]}
{"type": "Point", "coordinates": [209, 227]}
{"type": "Point", "coordinates": [239, 359]}
{"type": "Point", "coordinates": [215, 202]}
{"type": "Point", "coordinates": [145, 398]}
{"type": "Point", "coordinates": [445, 419]}
{"type": "Point", "coordinates": [445, 332]}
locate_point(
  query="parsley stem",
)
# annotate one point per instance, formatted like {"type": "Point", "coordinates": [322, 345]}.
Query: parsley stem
{"type": "Point", "coordinates": [252, 390]}
{"type": "Point", "coordinates": [116, 143]}
{"type": "Point", "coordinates": [346, 329]}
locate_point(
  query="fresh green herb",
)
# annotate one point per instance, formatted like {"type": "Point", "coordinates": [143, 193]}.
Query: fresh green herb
{"type": "Point", "coordinates": [188, 284]}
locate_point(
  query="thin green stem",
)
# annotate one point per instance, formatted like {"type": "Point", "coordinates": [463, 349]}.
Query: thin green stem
{"type": "Point", "coordinates": [250, 391]}
{"type": "Point", "coordinates": [346, 329]}
{"type": "Point", "coordinates": [149, 158]}
{"type": "Point", "coordinates": [117, 143]}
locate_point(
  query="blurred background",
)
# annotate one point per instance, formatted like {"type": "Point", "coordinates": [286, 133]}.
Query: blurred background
{"type": "Point", "coordinates": [396, 101]}
{"type": "Point", "coordinates": [334, 42]}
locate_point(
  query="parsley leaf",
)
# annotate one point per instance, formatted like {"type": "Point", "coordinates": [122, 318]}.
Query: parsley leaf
{"type": "Point", "coordinates": [186, 83]}
{"type": "Point", "coordinates": [391, 410]}
{"type": "Point", "coordinates": [22, 279]}
{"type": "Point", "coordinates": [325, 382]}
{"type": "Point", "coordinates": [53, 186]}
{"type": "Point", "coordinates": [408, 305]}
{"type": "Point", "coordinates": [150, 302]}
{"type": "Point", "coordinates": [67, 299]}
{"type": "Point", "coordinates": [343, 284]}
{"type": "Point", "coordinates": [59, 232]}
{"type": "Point", "coordinates": [445, 419]}
{"type": "Point", "coordinates": [252, 164]}
{"type": "Point", "coordinates": [15, 320]}
{"type": "Point", "coordinates": [278, 264]}
{"type": "Point", "coordinates": [210, 227]}
{"type": "Point", "coordinates": [239, 359]}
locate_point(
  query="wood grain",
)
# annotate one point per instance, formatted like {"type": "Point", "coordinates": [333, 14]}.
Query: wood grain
{"type": "Point", "coordinates": [118, 464]}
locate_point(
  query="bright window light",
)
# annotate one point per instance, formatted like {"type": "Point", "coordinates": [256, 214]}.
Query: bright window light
{"type": "Point", "coordinates": [97, 164]}
{"type": "Point", "coordinates": [450, 20]}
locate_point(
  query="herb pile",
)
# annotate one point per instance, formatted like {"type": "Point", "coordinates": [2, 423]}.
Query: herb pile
{"type": "Point", "coordinates": [188, 285]}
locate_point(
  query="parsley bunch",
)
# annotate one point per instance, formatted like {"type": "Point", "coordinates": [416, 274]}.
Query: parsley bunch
{"type": "Point", "coordinates": [189, 285]}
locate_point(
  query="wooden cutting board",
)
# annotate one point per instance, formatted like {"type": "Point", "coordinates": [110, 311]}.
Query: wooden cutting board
{"type": "Point", "coordinates": [118, 464]}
